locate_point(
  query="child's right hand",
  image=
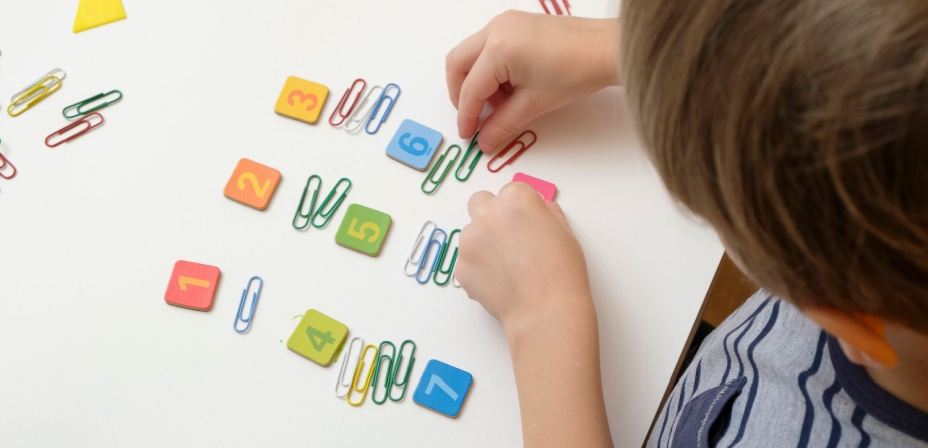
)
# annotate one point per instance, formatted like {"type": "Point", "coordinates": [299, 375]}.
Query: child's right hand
{"type": "Point", "coordinates": [525, 65]}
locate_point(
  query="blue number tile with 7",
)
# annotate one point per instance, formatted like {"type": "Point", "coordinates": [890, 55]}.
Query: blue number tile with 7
{"type": "Point", "coordinates": [442, 388]}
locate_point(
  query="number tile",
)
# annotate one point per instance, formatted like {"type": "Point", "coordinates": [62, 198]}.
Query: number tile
{"type": "Point", "coordinates": [192, 285]}
{"type": "Point", "coordinates": [317, 337]}
{"type": "Point", "coordinates": [546, 189]}
{"type": "Point", "coordinates": [252, 184]}
{"type": "Point", "coordinates": [301, 100]}
{"type": "Point", "coordinates": [363, 229]}
{"type": "Point", "coordinates": [443, 388]}
{"type": "Point", "coordinates": [414, 144]}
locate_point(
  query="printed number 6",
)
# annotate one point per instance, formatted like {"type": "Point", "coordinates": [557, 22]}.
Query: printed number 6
{"type": "Point", "coordinates": [360, 233]}
{"type": "Point", "coordinates": [253, 180]}
{"type": "Point", "coordinates": [410, 146]}
{"type": "Point", "coordinates": [304, 97]}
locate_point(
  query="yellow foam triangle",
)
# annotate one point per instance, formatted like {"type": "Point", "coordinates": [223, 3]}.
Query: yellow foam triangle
{"type": "Point", "coordinates": [93, 13]}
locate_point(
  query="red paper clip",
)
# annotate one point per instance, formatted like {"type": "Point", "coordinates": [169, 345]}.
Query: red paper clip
{"type": "Point", "coordinates": [3, 164]}
{"type": "Point", "coordinates": [83, 126]}
{"type": "Point", "coordinates": [340, 109]}
{"type": "Point", "coordinates": [512, 144]}
{"type": "Point", "coordinates": [557, 9]}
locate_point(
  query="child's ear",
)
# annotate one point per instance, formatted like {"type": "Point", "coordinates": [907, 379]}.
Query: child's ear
{"type": "Point", "coordinates": [861, 335]}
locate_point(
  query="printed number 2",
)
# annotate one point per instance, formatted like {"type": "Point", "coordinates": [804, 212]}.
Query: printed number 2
{"type": "Point", "coordinates": [251, 178]}
{"type": "Point", "coordinates": [318, 338]}
{"type": "Point", "coordinates": [410, 146]}
{"type": "Point", "coordinates": [312, 99]}
{"type": "Point", "coordinates": [360, 233]}
{"type": "Point", "coordinates": [185, 281]}
{"type": "Point", "coordinates": [436, 380]}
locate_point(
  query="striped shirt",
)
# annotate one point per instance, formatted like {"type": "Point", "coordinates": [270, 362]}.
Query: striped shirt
{"type": "Point", "coordinates": [768, 376]}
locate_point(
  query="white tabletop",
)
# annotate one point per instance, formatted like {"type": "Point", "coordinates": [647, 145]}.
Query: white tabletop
{"type": "Point", "coordinates": [91, 354]}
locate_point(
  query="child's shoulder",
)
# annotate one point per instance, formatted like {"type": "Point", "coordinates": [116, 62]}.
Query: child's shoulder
{"type": "Point", "coordinates": [770, 374]}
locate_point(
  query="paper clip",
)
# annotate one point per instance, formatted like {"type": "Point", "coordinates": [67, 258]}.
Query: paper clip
{"type": "Point", "coordinates": [425, 256]}
{"type": "Point", "coordinates": [4, 162]}
{"type": "Point", "coordinates": [441, 259]}
{"type": "Point", "coordinates": [418, 248]}
{"type": "Point", "coordinates": [556, 7]}
{"type": "Point", "coordinates": [518, 141]}
{"type": "Point", "coordinates": [83, 126]}
{"type": "Point", "coordinates": [361, 113]}
{"type": "Point", "coordinates": [240, 316]}
{"type": "Point", "coordinates": [327, 213]}
{"type": "Point", "coordinates": [312, 203]}
{"type": "Point", "coordinates": [348, 360]}
{"type": "Point", "coordinates": [362, 387]}
{"type": "Point", "coordinates": [430, 184]}
{"type": "Point", "coordinates": [79, 107]}
{"type": "Point", "coordinates": [396, 370]}
{"type": "Point", "coordinates": [55, 73]}
{"type": "Point", "coordinates": [340, 109]}
{"type": "Point", "coordinates": [375, 378]}
{"type": "Point", "coordinates": [473, 163]}
{"type": "Point", "coordinates": [377, 107]}
{"type": "Point", "coordinates": [33, 95]}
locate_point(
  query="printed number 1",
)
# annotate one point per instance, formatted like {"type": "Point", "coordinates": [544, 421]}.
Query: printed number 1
{"type": "Point", "coordinates": [360, 233]}
{"type": "Point", "coordinates": [318, 338]}
{"type": "Point", "coordinates": [253, 180]}
{"type": "Point", "coordinates": [435, 380]}
{"type": "Point", "coordinates": [184, 281]}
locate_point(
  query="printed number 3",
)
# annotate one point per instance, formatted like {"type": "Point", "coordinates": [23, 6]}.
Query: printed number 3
{"type": "Point", "coordinates": [318, 338]}
{"type": "Point", "coordinates": [251, 178]}
{"type": "Point", "coordinates": [411, 147]}
{"type": "Point", "coordinates": [303, 97]}
{"type": "Point", "coordinates": [436, 380]}
{"type": "Point", "coordinates": [360, 233]}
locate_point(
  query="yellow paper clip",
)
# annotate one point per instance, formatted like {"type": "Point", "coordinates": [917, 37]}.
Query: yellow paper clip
{"type": "Point", "coordinates": [418, 249]}
{"type": "Point", "coordinates": [362, 388]}
{"type": "Point", "coordinates": [348, 361]}
{"type": "Point", "coordinates": [33, 95]}
{"type": "Point", "coordinates": [56, 72]}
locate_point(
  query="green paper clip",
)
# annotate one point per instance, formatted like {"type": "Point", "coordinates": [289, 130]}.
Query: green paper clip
{"type": "Point", "coordinates": [441, 260]}
{"type": "Point", "coordinates": [312, 204]}
{"type": "Point", "coordinates": [396, 370]}
{"type": "Point", "coordinates": [375, 377]}
{"type": "Point", "coordinates": [79, 107]}
{"type": "Point", "coordinates": [430, 179]}
{"type": "Point", "coordinates": [327, 213]}
{"type": "Point", "coordinates": [473, 163]}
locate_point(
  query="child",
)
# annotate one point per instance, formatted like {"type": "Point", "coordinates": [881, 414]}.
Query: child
{"type": "Point", "coordinates": [797, 129]}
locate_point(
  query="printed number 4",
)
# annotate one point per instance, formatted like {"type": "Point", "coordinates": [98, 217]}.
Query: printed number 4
{"type": "Point", "coordinates": [253, 180]}
{"type": "Point", "coordinates": [318, 338]}
{"type": "Point", "coordinates": [303, 97]}
{"type": "Point", "coordinates": [436, 380]}
{"type": "Point", "coordinates": [361, 233]}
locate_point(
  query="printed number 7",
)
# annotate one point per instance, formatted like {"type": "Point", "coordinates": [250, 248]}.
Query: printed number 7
{"type": "Point", "coordinates": [360, 233]}
{"type": "Point", "coordinates": [318, 338]}
{"type": "Point", "coordinates": [436, 380]}
{"type": "Point", "coordinates": [253, 180]}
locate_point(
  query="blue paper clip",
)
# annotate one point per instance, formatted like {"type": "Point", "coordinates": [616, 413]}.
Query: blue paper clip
{"type": "Point", "coordinates": [240, 317]}
{"type": "Point", "coordinates": [425, 256]}
{"type": "Point", "coordinates": [312, 203]}
{"type": "Point", "coordinates": [377, 106]}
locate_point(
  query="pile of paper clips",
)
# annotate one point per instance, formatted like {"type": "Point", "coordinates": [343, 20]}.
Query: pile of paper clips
{"type": "Point", "coordinates": [447, 159]}
{"type": "Point", "coordinates": [428, 259]}
{"type": "Point", "coordinates": [382, 370]}
{"type": "Point", "coordinates": [84, 111]}
{"type": "Point", "coordinates": [325, 210]}
{"type": "Point", "coordinates": [373, 107]}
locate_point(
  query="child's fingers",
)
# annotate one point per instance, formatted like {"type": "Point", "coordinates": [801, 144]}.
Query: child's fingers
{"type": "Point", "coordinates": [508, 117]}
{"type": "Point", "coordinates": [459, 61]}
{"type": "Point", "coordinates": [481, 83]}
{"type": "Point", "coordinates": [558, 212]}
{"type": "Point", "coordinates": [477, 201]}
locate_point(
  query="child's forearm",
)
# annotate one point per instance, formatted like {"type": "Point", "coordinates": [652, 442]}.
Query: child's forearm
{"type": "Point", "coordinates": [555, 355]}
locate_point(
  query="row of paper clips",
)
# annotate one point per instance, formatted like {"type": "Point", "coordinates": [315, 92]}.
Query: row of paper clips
{"type": "Point", "coordinates": [7, 170]}
{"type": "Point", "coordinates": [373, 107]}
{"type": "Point", "coordinates": [447, 159]}
{"type": "Point", "coordinates": [383, 369]}
{"type": "Point", "coordinates": [325, 210]}
{"type": "Point", "coordinates": [555, 8]}
{"type": "Point", "coordinates": [428, 259]}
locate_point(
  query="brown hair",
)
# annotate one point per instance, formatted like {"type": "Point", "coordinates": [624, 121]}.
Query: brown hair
{"type": "Point", "coordinates": [799, 130]}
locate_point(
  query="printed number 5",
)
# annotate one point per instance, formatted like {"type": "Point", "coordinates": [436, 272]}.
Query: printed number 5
{"type": "Point", "coordinates": [436, 380]}
{"type": "Point", "coordinates": [303, 97]}
{"type": "Point", "coordinates": [360, 233]}
{"type": "Point", "coordinates": [251, 178]}
{"type": "Point", "coordinates": [318, 338]}
{"type": "Point", "coordinates": [411, 147]}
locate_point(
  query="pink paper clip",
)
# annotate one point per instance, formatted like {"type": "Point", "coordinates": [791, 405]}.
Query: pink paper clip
{"type": "Point", "coordinates": [518, 141]}
{"type": "Point", "coordinates": [340, 109]}
{"type": "Point", "coordinates": [83, 126]}
{"type": "Point", "coordinates": [557, 8]}
{"type": "Point", "coordinates": [4, 162]}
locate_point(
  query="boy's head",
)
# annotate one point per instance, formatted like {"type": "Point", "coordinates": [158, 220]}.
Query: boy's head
{"type": "Point", "coordinates": [799, 130]}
